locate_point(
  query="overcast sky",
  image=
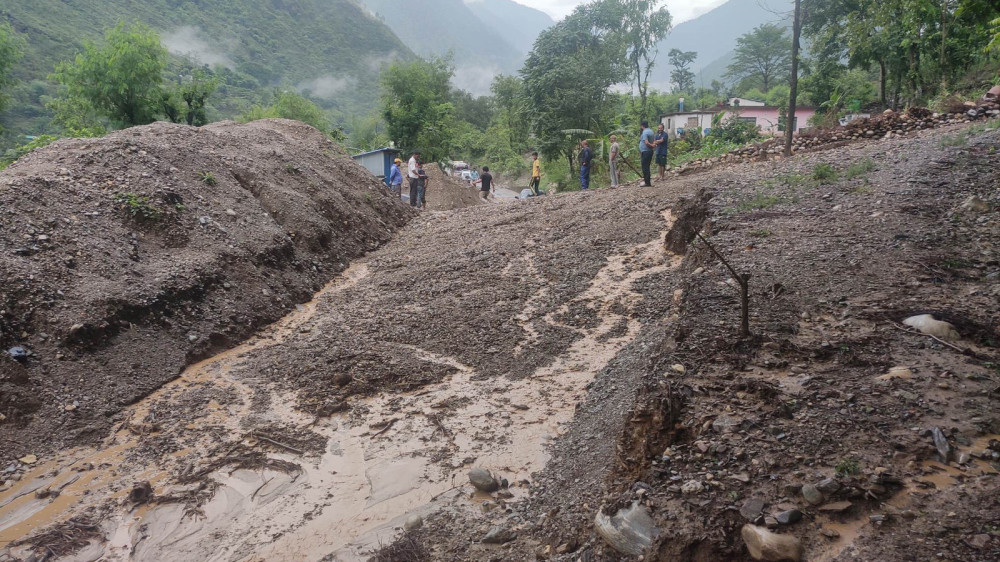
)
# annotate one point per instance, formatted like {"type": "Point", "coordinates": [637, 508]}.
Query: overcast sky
{"type": "Point", "coordinates": [681, 10]}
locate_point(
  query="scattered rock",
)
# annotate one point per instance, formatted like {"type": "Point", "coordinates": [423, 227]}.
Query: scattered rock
{"type": "Point", "coordinates": [413, 522]}
{"type": "Point", "coordinates": [692, 487]}
{"type": "Point", "coordinates": [829, 533]}
{"type": "Point", "coordinates": [725, 423]}
{"type": "Point", "coordinates": [141, 493]}
{"type": "Point", "coordinates": [812, 494]}
{"type": "Point", "coordinates": [629, 531]}
{"type": "Point", "coordinates": [929, 325]}
{"type": "Point", "coordinates": [18, 353]}
{"type": "Point", "coordinates": [772, 547]}
{"type": "Point", "coordinates": [897, 372]}
{"type": "Point", "coordinates": [498, 535]}
{"type": "Point", "coordinates": [941, 444]}
{"type": "Point", "coordinates": [976, 205]}
{"type": "Point", "coordinates": [828, 486]}
{"type": "Point", "coordinates": [483, 480]}
{"type": "Point", "coordinates": [835, 507]}
{"type": "Point", "coordinates": [678, 368]}
{"type": "Point", "coordinates": [789, 517]}
{"type": "Point", "coordinates": [752, 508]}
{"type": "Point", "coordinates": [29, 459]}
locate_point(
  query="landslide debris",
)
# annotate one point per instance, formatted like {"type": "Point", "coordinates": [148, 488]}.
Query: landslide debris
{"type": "Point", "coordinates": [125, 258]}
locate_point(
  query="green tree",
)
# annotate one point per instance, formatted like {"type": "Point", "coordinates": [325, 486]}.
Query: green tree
{"type": "Point", "coordinates": [512, 113]}
{"type": "Point", "coordinates": [567, 76]}
{"type": "Point", "coordinates": [11, 51]}
{"type": "Point", "coordinates": [416, 105]}
{"type": "Point", "coordinates": [681, 76]}
{"type": "Point", "coordinates": [120, 79]}
{"type": "Point", "coordinates": [292, 105]}
{"type": "Point", "coordinates": [195, 94]}
{"type": "Point", "coordinates": [762, 56]}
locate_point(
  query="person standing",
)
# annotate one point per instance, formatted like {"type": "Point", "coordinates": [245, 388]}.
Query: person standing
{"type": "Point", "coordinates": [613, 160]}
{"type": "Point", "coordinates": [411, 175]}
{"type": "Point", "coordinates": [646, 148]}
{"type": "Point", "coordinates": [396, 178]}
{"type": "Point", "coordinates": [536, 173]}
{"type": "Point", "coordinates": [486, 179]}
{"type": "Point", "coordinates": [422, 181]}
{"type": "Point", "coordinates": [586, 155]}
{"type": "Point", "coordinates": [660, 140]}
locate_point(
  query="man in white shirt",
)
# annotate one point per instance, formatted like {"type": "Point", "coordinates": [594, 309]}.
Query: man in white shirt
{"type": "Point", "coordinates": [411, 175]}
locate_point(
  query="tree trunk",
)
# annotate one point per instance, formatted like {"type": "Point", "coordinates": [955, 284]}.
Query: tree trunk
{"type": "Point", "coordinates": [881, 82]}
{"type": "Point", "coordinates": [793, 81]}
{"type": "Point", "coordinates": [944, 38]}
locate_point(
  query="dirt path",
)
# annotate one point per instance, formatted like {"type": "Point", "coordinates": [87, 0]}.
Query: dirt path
{"type": "Point", "coordinates": [476, 353]}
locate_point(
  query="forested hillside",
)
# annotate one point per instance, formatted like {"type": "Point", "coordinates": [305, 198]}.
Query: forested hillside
{"type": "Point", "coordinates": [520, 24]}
{"type": "Point", "coordinates": [331, 49]}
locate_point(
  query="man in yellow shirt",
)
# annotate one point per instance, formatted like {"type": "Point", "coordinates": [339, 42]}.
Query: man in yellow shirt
{"type": "Point", "coordinates": [536, 173]}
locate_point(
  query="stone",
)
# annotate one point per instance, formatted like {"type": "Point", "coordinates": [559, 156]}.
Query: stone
{"type": "Point", "coordinates": [835, 507]}
{"type": "Point", "coordinates": [829, 533]}
{"type": "Point", "coordinates": [927, 324]}
{"type": "Point", "coordinates": [941, 444]}
{"type": "Point", "coordinates": [975, 204]}
{"type": "Point", "coordinates": [752, 508]}
{"type": "Point", "coordinates": [812, 494]}
{"type": "Point", "coordinates": [498, 535]}
{"type": "Point", "coordinates": [413, 522]}
{"type": "Point", "coordinates": [771, 547]}
{"type": "Point", "coordinates": [483, 481]}
{"type": "Point", "coordinates": [897, 372]}
{"type": "Point", "coordinates": [725, 423]}
{"type": "Point", "coordinates": [678, 368]}
{"type": "Point", "coordinates": [789, 517]}
{"type": "Point", "coordinates": [18, 353]}
{"type": "Point", "coordinates": [29, 459]}
{"type": "Point", "coordinates": [692, 487]}
{"type": "Point", "coordinates": [828, 486]}
{"type": "Point", "coordinates": [629, 531]}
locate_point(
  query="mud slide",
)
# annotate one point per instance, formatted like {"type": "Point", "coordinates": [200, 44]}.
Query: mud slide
{"type": "Point", "coordinates": [227, 462]}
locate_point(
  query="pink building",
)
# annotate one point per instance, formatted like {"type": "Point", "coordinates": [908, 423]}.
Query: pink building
{"type": "Point", "coordinates": [766, 117]}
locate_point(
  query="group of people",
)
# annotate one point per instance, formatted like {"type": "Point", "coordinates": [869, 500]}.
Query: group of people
{"type": "Point", "coordinates": [651, 146]}
{"type": "Point", "coordinates": [416, 177]}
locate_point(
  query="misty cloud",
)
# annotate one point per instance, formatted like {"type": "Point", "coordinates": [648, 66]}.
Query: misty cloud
{"type": "Point", "coordinates": [475, 79]}
{"type": "Point", "coordinates": [187, 41]}
{"type": "Point", "coordinates": [377, 63]}
{"type": "Point", "coordinates": [326, 87]}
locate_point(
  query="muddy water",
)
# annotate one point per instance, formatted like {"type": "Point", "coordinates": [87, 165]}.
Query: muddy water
{"type": "Point", "coordinates": [397, 455]}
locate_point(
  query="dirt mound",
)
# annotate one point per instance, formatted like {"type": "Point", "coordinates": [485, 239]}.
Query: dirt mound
{"type": "Point", "coordinates": [446, 192]}
{"type": "Point", "coordinates": [125, 258]}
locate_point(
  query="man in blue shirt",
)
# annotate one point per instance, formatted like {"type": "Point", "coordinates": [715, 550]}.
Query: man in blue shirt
{"type": "Point", "coordinates": [661, 150]}
{"type": "Point", "coordinates": [586, 155]}
{"type": "Point", "coordinates": [396, 178]}
{"type": "Point", "coordinates": [646, 146]}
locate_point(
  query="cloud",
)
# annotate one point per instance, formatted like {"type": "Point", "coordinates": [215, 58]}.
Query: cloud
{"type": "Point", "coordinates": [681, 10]}
{"type": "Point", "coordinates": [475, 79]}
{"type": "Point", "coordinates": [186, 41]}
{"type": "Point", "coordinates": [377, 63]}
{"type": "Point", "coordinates": [327, 86]}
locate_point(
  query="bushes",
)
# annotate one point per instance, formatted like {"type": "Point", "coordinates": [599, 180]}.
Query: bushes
{"type": "Point", "coordinates": [12, 155]}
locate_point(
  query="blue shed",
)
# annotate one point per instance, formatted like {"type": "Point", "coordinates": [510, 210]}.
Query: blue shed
{"type": "Point", "coordinates": [378, 162]}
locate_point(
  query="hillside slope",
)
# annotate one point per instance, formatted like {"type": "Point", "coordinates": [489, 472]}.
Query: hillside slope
{"type": "Point", "coordinates": [713, 36]}
{"type": "Point", "coordinates": [121, 262]}
{"type": "Point", "coordinates": [333, 48]}
{"type": "Point", "coordinates": [520, 24]}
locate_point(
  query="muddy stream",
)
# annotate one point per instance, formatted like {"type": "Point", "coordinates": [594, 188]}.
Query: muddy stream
{"type": "Point", "coordinates": [377, 468]}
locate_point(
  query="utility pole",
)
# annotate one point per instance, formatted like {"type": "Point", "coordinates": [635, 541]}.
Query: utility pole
{"type": "Point", "coordinates": [793, 82]}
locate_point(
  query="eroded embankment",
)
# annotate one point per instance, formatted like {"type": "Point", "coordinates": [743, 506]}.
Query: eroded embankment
{"type": "Point", "coordinates": [125, 258]}
{"type": "Point", "coordinates": [243, 457]}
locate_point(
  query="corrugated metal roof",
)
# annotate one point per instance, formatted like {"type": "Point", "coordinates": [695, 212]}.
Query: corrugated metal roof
{"type": "Point", "coordinates": [386, 149]}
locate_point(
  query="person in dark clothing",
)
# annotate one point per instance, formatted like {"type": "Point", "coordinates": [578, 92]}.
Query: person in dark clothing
{"type": "Point", "coordinates": [646, 147]}
{"type": "Point", "coordinates": [422, 181]}
{"type": "Point", "coordinates": [486, 179]}
{"type": "Point", "coordinates": [586, 156]}
{"type": "Point", "coordinates": [411, 176]}
{"type": "Point", "coordinates": [661, 151]}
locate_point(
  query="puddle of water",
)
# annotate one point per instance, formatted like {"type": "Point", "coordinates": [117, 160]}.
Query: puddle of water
{"type": "Point", "coordinates": [355, 496]}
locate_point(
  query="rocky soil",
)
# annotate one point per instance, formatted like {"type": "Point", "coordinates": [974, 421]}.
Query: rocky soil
{"type": "Point", "coordinates": [837, 429]}
{"type": "Point", "coordinates": [126, 258]}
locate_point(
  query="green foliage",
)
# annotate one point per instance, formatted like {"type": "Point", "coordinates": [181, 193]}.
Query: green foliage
{"type": "Point", "coordinates": [416, 105]}
{"type": "Point", "coordinates": [11, 51]}
{"type": "Point", "coordinates": [730, 129]}
{"type": "Point", "coordinates": [293, 169]}
{"type": "Point", "coordinates": [710, 147]}
{"type": "Point", "coordinates": [76, 116]}
{"type": "Point", "coordinates": [950, 141]}
{"type": "Point", "coordinates": [758, 202]}
{"type": "Point", "coordinates": [208, 178]}
{"type": "Point", "coordinates": [847, 467]}
{"type": "Point", "coordinates": [291, 105]}
{"type": "Point", "coordinates": [138, 207]}
{"type": "Point", "coordinates": [12, 155]}
{"type": "Point", "coordinates": [195, 94]}
{"type": "Point", "coordinates": [859, 168]}
{"type": "Point", "coordinates": [762, 57]}
{"type": "Point", "coordinates": [122, 78]}
{"type": "Point", "coordinates": [681, 76]}
{"type": "Point", "coordinates": [824, 173]}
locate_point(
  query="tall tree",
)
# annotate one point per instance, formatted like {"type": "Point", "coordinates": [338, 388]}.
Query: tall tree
{"type": "Point", "coordinates": [681, 76]}
{"type": "Point", "coordinates": [639, 25]}
{"type": "Point", "coordinates": [511, 109]}
{"type": "Point", "coordinates": [761, 57]}
{"type": "Point", "coordinates": [120, 79]}
{"type": "Point", "coordinates": [567, 77]}
{"type": "Point", "coordinates": [11, 50]}
{"type": "Point", "coordinates": [416, 104]}
{"type": "Point", "coordinates": [793, 82]}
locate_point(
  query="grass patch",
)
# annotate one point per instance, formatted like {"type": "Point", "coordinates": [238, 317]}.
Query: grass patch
{"type": "Point", "coordinates": [847, 467]}
{"type": "Point", "coordinates": [138, 207]}
{"type": "Point", "coordinates": [759, 201]}
{"type": "Point", "coordinates": [859, 168]}
{"type": "Point", "coordinates": [824, 173]}
{"type": "Point", "coordinates": [292, 169]}
{"type": "Point", "coordinates": [954, 263]}
{"type": "Point", "coordinates": [949, 141]}
{"type": "Point", "coordinates": [761, 233]}
{"type": "Point", "coordinates": [208, 178]}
